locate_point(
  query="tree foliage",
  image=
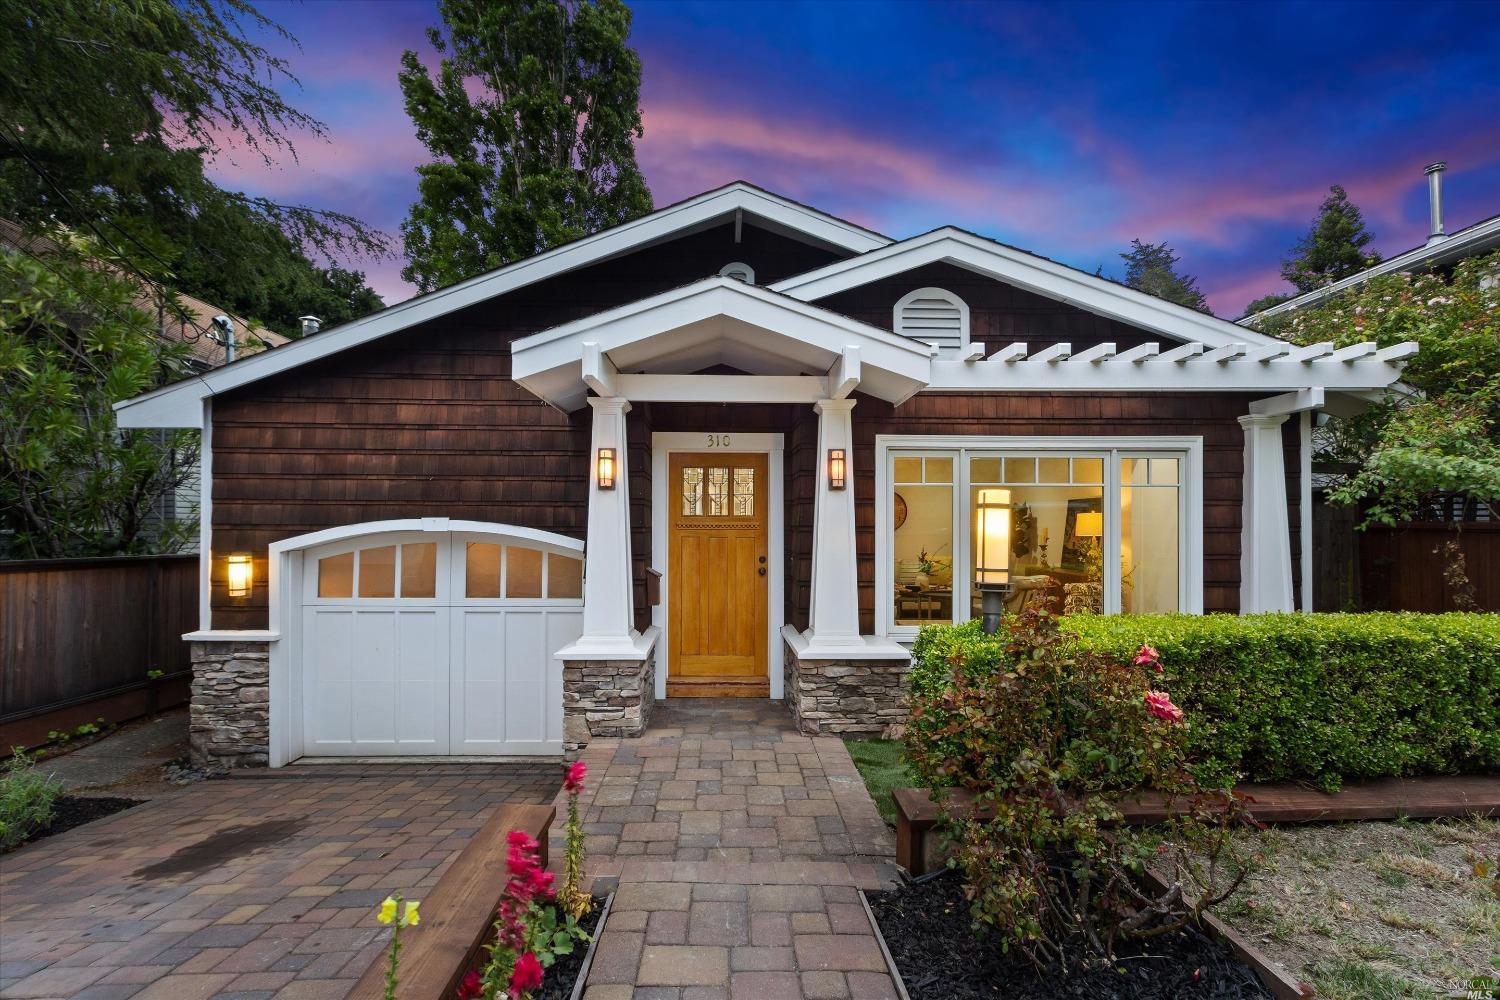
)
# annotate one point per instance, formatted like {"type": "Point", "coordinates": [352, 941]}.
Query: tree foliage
{"type": "Point", "coordinates": [72, 343]}
{"type": "Point", "coordinates": [531, 119]}
{"type": "Point", "coordinates": [108, 113]}
{"type": "Point", "coordinates": [1265, 302]}
{"type": "Point", "coordinates": [1152, 268]}
{"type": "Point", "coordinates": [1334, 248]}
{"type": "Point", "coordinates": [1443, 433]}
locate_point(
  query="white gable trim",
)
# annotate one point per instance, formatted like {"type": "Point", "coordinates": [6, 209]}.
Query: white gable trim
{"type": "Point", "coordinates": [558, 364]}
{"type": "Point", "coordinates": [178, 405]}
{"type": "Point", "coordinates": [1023, 270]}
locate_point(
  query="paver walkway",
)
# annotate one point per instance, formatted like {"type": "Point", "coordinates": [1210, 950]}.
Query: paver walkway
{"type": "Point", "coordinates": [739, 844]}
{"type": "Point", "coordinates": [250, 888]}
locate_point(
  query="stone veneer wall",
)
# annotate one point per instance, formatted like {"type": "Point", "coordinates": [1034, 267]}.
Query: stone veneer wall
{"type": "Point", "coordinates": [230, 717]}
{"type": "Point", "coordinates": [606, 698]}
{"type": "Point", "coordinates": [847, 696]}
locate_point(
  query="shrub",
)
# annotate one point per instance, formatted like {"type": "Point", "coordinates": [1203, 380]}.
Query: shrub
{"type": "Point", "coordinates": [26, 797]}
{"type": "Point", "coordinates": [1051, 738]}
{"type": "Point", "coordinates": [1320, 698]}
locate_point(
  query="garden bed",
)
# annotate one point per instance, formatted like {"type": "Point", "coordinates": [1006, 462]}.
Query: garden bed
{"type": "Point", "coordinates": [70, 811]}
{"type": "Point", "coordinates": [560, 982]}
{"type": "Point", "coordinates": [928, 931]}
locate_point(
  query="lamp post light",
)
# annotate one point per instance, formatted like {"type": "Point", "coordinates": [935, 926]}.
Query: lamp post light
{"type": "Point", "coordinates": [992, 551]}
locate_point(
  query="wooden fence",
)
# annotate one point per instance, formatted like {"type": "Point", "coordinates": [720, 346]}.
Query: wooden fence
{"type": "Point", "coordinates": [1401, 569]}
{"type": "Point", "coordinates": [78, 636]}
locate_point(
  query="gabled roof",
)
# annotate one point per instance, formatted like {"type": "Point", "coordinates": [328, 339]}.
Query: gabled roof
{"type": "Point", "coordinates": [179, 404]}
{"type": "Point", "coordinates": [1480, 238]}
{"type": "Point", "coordinates": [788, 347]}
{"type": "Point", "coordinates": [1024, 270]}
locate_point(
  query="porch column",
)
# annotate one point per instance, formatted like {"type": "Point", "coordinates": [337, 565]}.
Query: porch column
{"type": "Point", "coordinates": [608, 594]}
{"type": "Point", "coordinates": [833, 617]}
{"type": "Point", "coordinates": [1265, 537]}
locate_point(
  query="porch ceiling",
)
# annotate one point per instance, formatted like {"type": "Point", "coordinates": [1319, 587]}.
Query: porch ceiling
{"type": "Point", "coordinates": [793, 351]}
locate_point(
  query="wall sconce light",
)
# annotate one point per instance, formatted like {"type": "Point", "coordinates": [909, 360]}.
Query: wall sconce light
{"type": "Point", "coordinates": [241, 574]}
{"type": "Point", "coordinates": [838, 469]}
{"type": "Point", "coordinates": [606, 468]}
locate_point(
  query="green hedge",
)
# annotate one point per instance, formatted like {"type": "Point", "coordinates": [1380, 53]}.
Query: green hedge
{"type": "Point", "coordinates": [1319, 698]}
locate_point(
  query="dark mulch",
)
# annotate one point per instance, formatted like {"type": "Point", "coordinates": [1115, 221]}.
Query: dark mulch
{"type": "Point", "coordinates": [557, 984]}
{"type": "Point", "coordinates": [927, 928]}
{"type": "Point", "coordinates": [69, 811]}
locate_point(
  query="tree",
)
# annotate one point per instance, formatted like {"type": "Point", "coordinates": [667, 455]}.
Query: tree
{"type": "Point", "coordinates": [531, 120]}
{"type": "Point", "coordinates": [72, 343]}
{"type": "Point", "coordinates": [1152, 268]}
{"type": "Point", "coordinates": [1265, 302]}
{"type": "Point", "coordinates": [107, 114]}
{"type": "Point", "coordinates": [1441, 434]}
{"type": "Point", "coordinates": [1333, 248]}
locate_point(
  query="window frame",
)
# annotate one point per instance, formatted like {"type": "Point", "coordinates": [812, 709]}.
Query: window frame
{"type": "Point", "coordinates": [1188, 449]}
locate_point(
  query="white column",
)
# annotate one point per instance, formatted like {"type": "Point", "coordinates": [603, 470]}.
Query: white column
{"type": "Point", "coordinates": [833, 618]}
{"type": "Point", "coordinates": [1305, 493]}
{"type": "Point", "coordinates": [608, 595]}
{"type": "Point", "coordinates": [1265, 535]}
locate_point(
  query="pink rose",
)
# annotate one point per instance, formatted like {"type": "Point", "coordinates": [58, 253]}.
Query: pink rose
{"type": "Point", "coordinates": [1147, 656]}
{"type": "Point", "coordinates": [1159, 704]}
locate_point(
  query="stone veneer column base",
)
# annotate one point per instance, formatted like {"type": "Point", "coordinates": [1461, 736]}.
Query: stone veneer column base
{"type": "Point", "coordinates": [606, 698]}
{"type": "Point", "coordinates": [851, 696]}
{"type": "Point", "coordinates": [230, 715]}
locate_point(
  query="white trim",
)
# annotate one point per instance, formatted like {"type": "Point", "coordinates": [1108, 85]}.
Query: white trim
{"type": "Point", "coordinates": [175, 405]}
{"type": "Point", "coordinates": [232, 635]}
{"type": "Point", "coordinates": [663, 443]}
{"type": "Point", "coordinates": [1111, 448]}
{"type": "Point", "coordinates": [1305, 508]}
{"type": "Point", "coordinates": [1024, 270]}
{"type": "Point", "coordinates": [867, 647]}
{"type": "Point", "coordinates": [702, 324]}
{"type": "Point", "coordinates": [285, 619]}
{"type": "Point", "coordinates": [206, 516]}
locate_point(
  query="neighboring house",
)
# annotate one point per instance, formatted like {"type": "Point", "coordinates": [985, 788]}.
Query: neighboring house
{"type": "Point", "coordinates": [193, 327]}
{"type": "Point", "coordinates": [737, 446]}
{"type": "Point", "coordinates": [1441, 252]}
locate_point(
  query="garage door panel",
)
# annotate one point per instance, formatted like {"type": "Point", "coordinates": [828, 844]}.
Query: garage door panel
{"type": "Point", "coordinates": [563, 628]}
{"type": "Point", "coordinates": [328, 646]}
{"type": "Point", "coordinates": [422, 705]}
{"type": "Point", "coordinates": [525, 672]}
{"type": "Point", "coordinates": [478, 688]}
{"type": "Point", "coordinates": [374, 685]}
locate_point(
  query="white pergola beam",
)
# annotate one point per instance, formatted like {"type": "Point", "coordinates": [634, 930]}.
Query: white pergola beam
{"type": "Point", "coordinates": [1095, 354]}
{"type": "Point", "coordinates": [1221, 355]}
{"type": "Point", "coordinates": [1139, 353]}
{"type": "Point", "coordinates": [1008, 353]}
{"type": "Point", "coordinates": [1288, 403]}
{"type": "Point", "coordinates": [1052, 355]}
{"type": "Point", "coordinates": [1308, 353]}
{"type": "Point", "coordinates": [1397, 352]}
{"type": "Point", "coordinates": [1351, 353]}
{"type": "Point", "coordinates": [1182, 352]}
{"type": "Point", "coordinates": [843, 377]}
{"type": "Point", "coordinates": [1160, 374]}
{"type": "Point", "coordinates": [1265, 354]}
{"type": "Point", "coordinates": [974, 352]}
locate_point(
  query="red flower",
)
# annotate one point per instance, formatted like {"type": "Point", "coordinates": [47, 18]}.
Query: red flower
{"type": "Point", "coordinates": [1148, 657]}
{"type": "Point", "coordinates": [526, 976]}
{"type": "Point", "coordinates": [573, 780]}
{"type": "Point", "coordinates": [471, 986]}
{"type": "Point", "coordinates": [1159, 704]}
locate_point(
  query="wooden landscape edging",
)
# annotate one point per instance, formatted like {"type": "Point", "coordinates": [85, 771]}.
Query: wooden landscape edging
{"type": "Point", "coordinates": [1385, 799]}
{"type": "Point", "coordinates": [458, 916]}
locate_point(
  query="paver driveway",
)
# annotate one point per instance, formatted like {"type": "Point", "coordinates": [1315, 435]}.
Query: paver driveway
{"type": "Point", "coordinates": [253, 887]}
{"type": "Point", "coordinates": [739, 844]}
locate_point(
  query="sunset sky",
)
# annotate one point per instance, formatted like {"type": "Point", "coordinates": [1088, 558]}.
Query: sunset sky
{"type": "Point", "coordinates": [1063, 129]}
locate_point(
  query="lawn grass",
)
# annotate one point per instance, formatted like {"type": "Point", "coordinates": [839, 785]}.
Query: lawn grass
{"type": "Point", "coordinates": [882, 763]}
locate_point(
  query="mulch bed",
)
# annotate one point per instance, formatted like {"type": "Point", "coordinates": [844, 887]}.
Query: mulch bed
{"type": "Point", "coordinates": [926, 925]}
{"type": "Point", "coordinates": [557, 983]}
{"type": "Point", "coordinates": [69, 811]}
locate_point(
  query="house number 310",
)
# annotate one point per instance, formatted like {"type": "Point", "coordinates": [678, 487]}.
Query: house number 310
{"type": "Point", "coordinates": [718, 440]}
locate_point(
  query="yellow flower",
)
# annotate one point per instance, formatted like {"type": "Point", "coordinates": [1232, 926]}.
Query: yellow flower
{"type": "Point", "coordinates": [412, 918]}
{"type": "Point", "coordinates": [387, 910]}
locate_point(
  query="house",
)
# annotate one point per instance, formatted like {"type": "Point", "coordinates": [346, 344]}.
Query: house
{"type": "Point", "coordinates": [735, 447]}
{"type": "Point", "coordinates": [1441, 252]}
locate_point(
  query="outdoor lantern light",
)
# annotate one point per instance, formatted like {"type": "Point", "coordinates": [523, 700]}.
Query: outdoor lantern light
{"type": "Point", "coordinates": [838, 469]}
{"type": "Point", "coordinates": [606, 468]}
{"type": "Point", "coordinates": [241, 574]}
{"type": "Point", "coordinates": [992, 554]}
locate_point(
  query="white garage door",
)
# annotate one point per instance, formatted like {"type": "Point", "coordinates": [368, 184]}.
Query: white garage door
{"type": "Point", "coordinates": [436, 643]}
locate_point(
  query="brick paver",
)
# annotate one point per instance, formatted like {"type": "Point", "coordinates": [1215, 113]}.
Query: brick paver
{"type": "Point", "coordinates": [739, 845]}
{"type": "Point", "coordinates": [262, 885]}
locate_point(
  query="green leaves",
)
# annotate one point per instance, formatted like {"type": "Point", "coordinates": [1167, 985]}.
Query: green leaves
{"type": "Point", "coordinates": [531, 119]}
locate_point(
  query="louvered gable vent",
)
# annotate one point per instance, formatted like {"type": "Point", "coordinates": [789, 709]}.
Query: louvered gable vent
{"type": "Point", "coordinates": [935, 316]}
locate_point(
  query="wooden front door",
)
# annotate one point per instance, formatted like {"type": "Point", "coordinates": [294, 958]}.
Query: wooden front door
{"type": "Point", "coordinates": [717, 575]}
